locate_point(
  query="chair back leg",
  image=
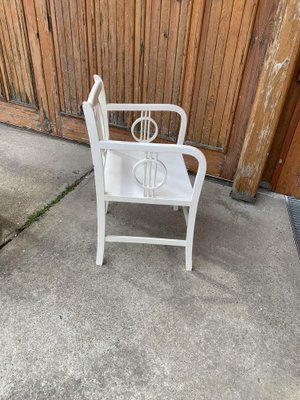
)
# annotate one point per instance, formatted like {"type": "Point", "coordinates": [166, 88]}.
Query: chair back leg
{"type": "Point", "coordinates": [190, 237]}
{"type": "Point", "coordinates": [101, 215]}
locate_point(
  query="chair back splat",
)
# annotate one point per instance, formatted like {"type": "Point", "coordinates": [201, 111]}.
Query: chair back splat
{"type": "Point", "coordinates": [141, 171]}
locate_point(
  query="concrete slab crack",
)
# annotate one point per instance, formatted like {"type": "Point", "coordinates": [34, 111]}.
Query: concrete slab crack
{"type": "Point", "coordinates": [38, 214]}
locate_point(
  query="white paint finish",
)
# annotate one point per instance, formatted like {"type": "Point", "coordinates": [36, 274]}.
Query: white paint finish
{"type": "Point", "coordinates": [119, 180]}
{"type": "Point", "coordinates": [145, 240]}
{"type": "Point", "coordinates": [116, 165]}
{"type": "Point", "coordinates": [154, 107]}
{"type": "Point", "coordinates": [148, 200]}
{"type": "Point", "coordinates": [185, 213]}
{"type": "Point", "coordinates": [145, 132]}
{"type": "Point", "coordinates": [150, 173]}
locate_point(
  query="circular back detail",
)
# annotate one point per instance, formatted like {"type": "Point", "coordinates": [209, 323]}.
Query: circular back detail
{"type": "Point", "coordinates": [145, 134]}
{"type": "Point", "coordinates": [150, 174]}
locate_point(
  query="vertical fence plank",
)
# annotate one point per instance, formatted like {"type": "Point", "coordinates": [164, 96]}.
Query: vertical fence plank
{"type": "Point", "coordinates": [112, 43]}
{"type": "Point", "coordinates": [91, 41]}
{"type": "Point", "coordinates": [138, 50]}
{"type": "Point", "coordinates": [180, 62]}
{"type": "Point", "coordinates": [173, 41]}
{"type": "Point", "coordinates": [4, 77]}
{"type": "Point", "coordinates": [152, 41]}
{"type": "Point", "coordinates": [102, 45]}
{"type": "Point", "coordinates": [195, 33]}
{"type": "Point", "coordinates": [2, 90]}
{"type": "Point", "coordinates": [145, 40]}
{"type": "Point", "coordinates": [77, 54]}
{"type": "Point", "coordinates": [161, 54]}
{"type": "Point", "coordinates": [23, 53]}
{"type": "Point", "coordinates": [236, 72]}
{"type": "Point", "coordinates": [44, 27]}
{"type": "Point", "coordinates": [216, 77]}
{"type": "Point", "coordinates": [61, 55]}
{"type": "Point", "coordinates": [102, 41]}
{"type": "Point", "coordinates": [208, 61]}
{"type": "Point", "coordinates": [38, 69]}
{"type": "Point", "coordinates": [120, 56]}
{"type": "Point", "coordinates": [129, 57]}
{"type": "Point", "coordinates": [229, 60]}
{"type": "Point", "coordinates": [199, 65]}
{"type": "Point", "coordinates": [84, 55]}
{"type": "Point", "coordinates": [71, 69]}
{"type": "Point", "coordinates": [3, 95]}
{"type": "Point", "coordinates": [58, 56]}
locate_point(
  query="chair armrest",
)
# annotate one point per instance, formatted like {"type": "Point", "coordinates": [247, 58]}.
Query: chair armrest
{"type": "Point", "coordinates": [154, 107]}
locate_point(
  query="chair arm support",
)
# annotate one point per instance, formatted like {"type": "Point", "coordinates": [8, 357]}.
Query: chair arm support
{"type": "Point", "coordinates": [154, 107]}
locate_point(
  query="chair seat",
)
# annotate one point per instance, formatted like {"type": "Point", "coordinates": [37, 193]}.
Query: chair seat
{"type": "Point", "coordinates": [121, 186]}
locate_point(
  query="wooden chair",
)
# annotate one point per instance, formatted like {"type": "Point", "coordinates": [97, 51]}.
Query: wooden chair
{"type": "Point", "coordinates": [141, 171]}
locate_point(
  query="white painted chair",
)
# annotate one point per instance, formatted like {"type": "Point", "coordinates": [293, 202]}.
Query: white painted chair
{"type": "Point", "coordinates": [141, 171]}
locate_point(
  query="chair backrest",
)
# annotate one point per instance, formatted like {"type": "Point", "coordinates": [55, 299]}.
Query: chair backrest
{"type": "Point", "coordinates": [95, 112]}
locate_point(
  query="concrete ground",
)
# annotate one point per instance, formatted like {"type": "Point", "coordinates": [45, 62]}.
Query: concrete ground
{"type": "Point", "coordinates": [34, 169]}
{"type": "Point", "coordinates": [140, 327]}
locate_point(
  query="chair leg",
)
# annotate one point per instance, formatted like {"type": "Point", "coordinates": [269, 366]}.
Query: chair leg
{"type": "Point", "coordinates": [190, 238]}
{"type": "Point", "coordinates": [101, 211]}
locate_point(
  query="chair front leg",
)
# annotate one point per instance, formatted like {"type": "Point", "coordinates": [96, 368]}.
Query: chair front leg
{"type": "Point", "coordinates": [101, 214]}
{"type": "Point", "coordinates": [190, 238]}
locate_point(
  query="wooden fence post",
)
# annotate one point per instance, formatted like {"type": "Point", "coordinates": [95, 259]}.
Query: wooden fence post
{"type": "Point", "coordinates": [269, 99]}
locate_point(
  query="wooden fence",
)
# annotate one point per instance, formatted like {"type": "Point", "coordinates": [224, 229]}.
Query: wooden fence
{"type": "Point", "coordinates": [203, 55]}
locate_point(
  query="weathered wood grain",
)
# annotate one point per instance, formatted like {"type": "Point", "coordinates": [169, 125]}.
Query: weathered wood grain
{"type": "Point", "coordinates": [171, 38]}
{"type": "Point", "coordinates": [260, 38]}
{"type": "Point", "coordinates": [216, 76]}
{"type": "Point", "coordinates": [15, 114]}
{"type": "Point", "coordinates": [2, 89]}
{"type": "Point", "coordinates": [236, 72]}
{"type": "Point", "coordinates": [193, 45]}
{"type": "Point", "coordinates": [203, 55]}
{"type": "Point", "coordinates": [91, 42]}
{"type": "Point", "coordinates": [4, 79]}
{"type": "Point", "coordinates": [206, 70]}
{"type": "Point", "coordinates": [289, 174]}
{"type": "Point", "coordinates": [78, 54]}
{"type": "Point", "coordinates": [198, 67]}
{"type": "Point", "coordinates": [129, 38]}
{"type": "Point", "coordinates": [284, 132]}
{"type": "Point", "coordinates": [180, 61]}
{"type": "Point", "coordinates": [45, 35]}
{"type": "Point", "coordinates": [38, 69]}
{"type": "Point", "coordinates": [272, 88]}
{"type": "Point", "coordinates": [16, 65]}
{"type": "Point", "coordinates": [237, 42]}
